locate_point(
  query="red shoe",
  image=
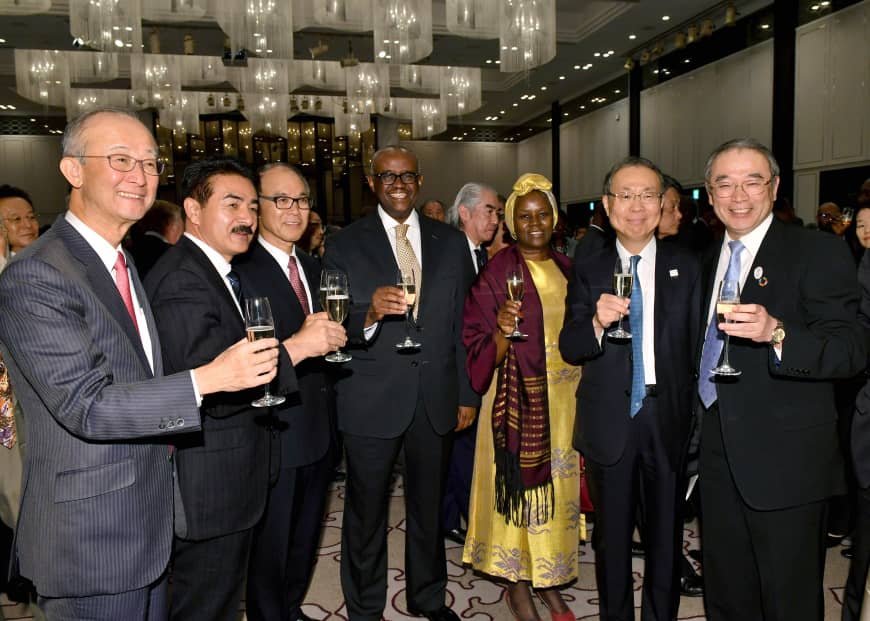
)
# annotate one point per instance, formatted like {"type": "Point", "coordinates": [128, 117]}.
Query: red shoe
{"type": "Point", "coordinates": [557, 616]}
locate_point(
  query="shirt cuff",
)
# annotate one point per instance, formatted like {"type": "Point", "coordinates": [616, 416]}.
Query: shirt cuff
{"type": "Point", "coordinates": [196, 392]}
{"type": "Point", "coordinates": [369, 332]}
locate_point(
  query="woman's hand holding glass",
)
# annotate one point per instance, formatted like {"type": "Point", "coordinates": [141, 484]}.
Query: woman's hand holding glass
{"type": "Point", "coordinates": [507, 317]}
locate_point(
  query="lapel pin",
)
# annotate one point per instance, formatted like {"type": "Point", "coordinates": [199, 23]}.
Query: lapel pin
{"type": "Point", "coordinates": [758, 273]}
{"type": "Point", "coordinates": [674, 273]}
{"type": "Point", "coordinates": [762, 282]}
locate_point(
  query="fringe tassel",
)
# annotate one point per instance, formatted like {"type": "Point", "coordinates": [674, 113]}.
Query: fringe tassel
{"type": "Point", "coordinates": [516, 503]}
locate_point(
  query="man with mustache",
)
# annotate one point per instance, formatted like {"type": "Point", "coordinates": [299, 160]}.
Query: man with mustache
{"type": "Point", "coordinates": [223, 471]}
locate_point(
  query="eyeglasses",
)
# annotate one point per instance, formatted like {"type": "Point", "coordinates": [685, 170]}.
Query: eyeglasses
{"type": "Point", "coordinates": [751, 187]}
{"type": "Point", "coordinates": [125, 163]}
{"type": "Point", "coordinates": [389, 178]}
{"type": "Point", "coordinates": [647, 198]}
{"type": "Point", "coordinates": [302, 203]}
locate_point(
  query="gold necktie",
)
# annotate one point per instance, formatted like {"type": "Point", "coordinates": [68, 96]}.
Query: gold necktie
{"type": "Point", "coordinates": [408, 262]}
{"type": "Point", "coordinates": [7, 411]}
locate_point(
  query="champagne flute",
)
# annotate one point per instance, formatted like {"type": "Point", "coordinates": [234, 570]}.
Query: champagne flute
{"type": "Point", "coordinates": [337, 307]}
{"type": "Point", "coordinates": [846, 214]}
{"type": "Point", "coordinates": [623, 277]}
{"type": "Point", "coordinates": [515, 294]}
{"type": "Point", "coordinates": [408, 284]}
{"type": "Point", "coordinates": [729, 297]}
{"type": "Point", "coordinates": [325, 275]}
{"type": "Point", "coordinates": [259, 324]}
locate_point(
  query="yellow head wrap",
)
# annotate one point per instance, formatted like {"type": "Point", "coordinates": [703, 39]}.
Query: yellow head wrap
{"type": "Point", "coordinates": [528, 182]}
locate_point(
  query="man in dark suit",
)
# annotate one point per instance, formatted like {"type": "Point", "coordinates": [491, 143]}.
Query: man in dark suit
{"type": "Point", "coordinates": [769, 449]}
{"type": "Point", "coordinates": [860, 452]}
{"type": "Point", "coordinates": [154, 234]}
{"type": "Point", "coordinates": [223, 471]}
{"type": "Point", "coordinates": [598, 234]}
{"type": "Point", "coordinates": [84, 357]}
{"type": "Point", "coordinates": [286, 538]}
{"type": "Point", "coordinates": [475, 212]}
{"type": "Point", "coordinates": [393, 400]}
{"type": "Point", "coordinates": [634, 403]}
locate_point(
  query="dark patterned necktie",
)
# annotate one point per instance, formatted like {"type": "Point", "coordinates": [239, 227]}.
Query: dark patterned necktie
{"type": "Point", "coordinates": [296, 283]}
{"type": "Point", "coordinates": [235, 285]}
{"type": "Point", "coordinates": [480, 254]}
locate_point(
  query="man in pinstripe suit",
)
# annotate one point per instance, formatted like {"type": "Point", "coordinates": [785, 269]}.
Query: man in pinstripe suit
{"type": "Point", "coordinates": [95, 527]}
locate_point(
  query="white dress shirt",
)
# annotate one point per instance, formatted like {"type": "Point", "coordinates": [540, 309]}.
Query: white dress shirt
{"type": "Point", "coordinates": [108, 255]}
{"type": "Point", "coordinates": [414, 236]}
{"type": "Point", "coordinates": [646, 274]}
{"type": "Point", "coordinates": [221, 265]}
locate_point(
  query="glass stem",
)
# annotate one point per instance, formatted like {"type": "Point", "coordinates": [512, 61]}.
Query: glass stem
{"type": "Point", "coordinates": [267, 394]}
{"type": "Point", "coordinates": [725, 362]}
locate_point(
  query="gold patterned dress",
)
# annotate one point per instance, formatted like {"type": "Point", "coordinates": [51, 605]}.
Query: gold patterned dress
{"type": "Point", "coordinates": [545, 554]}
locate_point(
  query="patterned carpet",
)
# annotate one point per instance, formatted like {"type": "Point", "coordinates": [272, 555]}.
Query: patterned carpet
{"type": "Point", "coordinates": [473, 596]}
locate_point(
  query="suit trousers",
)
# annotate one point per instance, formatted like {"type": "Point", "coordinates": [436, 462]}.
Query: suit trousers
{"type": "Point", "coordinates": [643, 472]}
{"type": "Point", "coordinates": [146, 604]}
{"type": "Point", "coordinates": [459, 475]}
{"type": "Point", "coordinates": [855, 584]}
{"type": "Point", "coordinates": [364, 530]}
{"type": "Point", "coordinates": [285, 542]}
{"type": "Point", "coordinates": [208, 577]}
{"type": "Point", "coordinates": [765, 565]}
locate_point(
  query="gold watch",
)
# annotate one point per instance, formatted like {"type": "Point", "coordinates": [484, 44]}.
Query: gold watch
{"type": "Point", "coordinates": [778, 335]}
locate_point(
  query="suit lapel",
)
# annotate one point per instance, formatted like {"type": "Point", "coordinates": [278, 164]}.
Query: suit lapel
{"type": "Point", "coordinates": [768, 262]}
{"type": "Point", "coordinates": [377, 245]}
{"type": "Point", "coordinates": [429, 250]}
{"type": "Point", "coordinates": [102, 284]}
{"type": "Point", "coordinates": [211, 274]}
{"type": "Point", "coordinates": [663, 287]}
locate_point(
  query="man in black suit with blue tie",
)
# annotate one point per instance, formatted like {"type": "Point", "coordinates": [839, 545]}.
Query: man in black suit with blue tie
{"type": "Point", "coordinates": [286, 538]}
{"type": "Point", "coordinates": [392, 400]}
{"type": "Point", "coordinates": [634, 402]}
{"type": "Point", "coordinates": [84, 357]}
{"type": "Point", "coordinates": [770, 455]}
{"type": "Point", "coordinates": [223, 470]}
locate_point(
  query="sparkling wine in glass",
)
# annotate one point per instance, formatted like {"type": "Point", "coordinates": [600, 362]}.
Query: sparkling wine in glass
{"type": "Point", "coordinates": [337, 307]}
{"type": "Point", "coordinates": [325, 275]}
{"type": "Point", "coordinates": [846, 214]}
{"type": "Point", "coordinates": [408, 284]}
{"type": "Point", "coordinates": [260, 325]}
{"type": "Point", "coordinates": [515, 294]}
{"type": "Point", "coordinates": [729, 297]}
{"type": "Point", "coordinates": [623, 279]}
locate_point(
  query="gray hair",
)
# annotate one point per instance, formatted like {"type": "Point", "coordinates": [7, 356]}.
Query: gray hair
{"type": "Point", "coordinates": [267, 167]}
{"type": "Point", "coordinates": [469, 195]}
{"type": "Point", "coordinates": [392, 147]}
{"type": "Point", "coordinates": [632, 160]}
{"type": "Point", "coordinates": [741, 143]}
{"type": "Point", "coordinates": [73, 144]}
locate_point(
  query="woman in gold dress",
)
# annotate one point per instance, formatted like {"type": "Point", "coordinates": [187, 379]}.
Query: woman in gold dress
{"type": "Point", "coordinates": [525, 521]}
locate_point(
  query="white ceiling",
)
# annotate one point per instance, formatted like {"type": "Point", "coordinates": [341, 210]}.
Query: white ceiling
{"type": "Point", "coordinates": [584, 28]}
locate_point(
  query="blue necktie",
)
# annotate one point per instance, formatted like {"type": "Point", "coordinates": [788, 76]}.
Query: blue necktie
{"type": "Point", "coordinates": [715, 340]}
{"type": "Point", "coordinates": [635, 321]}
{"type": "Point", "coordinates": [235, 285]}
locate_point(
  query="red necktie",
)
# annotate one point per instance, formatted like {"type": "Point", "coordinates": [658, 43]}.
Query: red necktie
{"type": "Point", "coordinates": [296, 283]}
{"type": "Point", "coordinates": [123, 283]}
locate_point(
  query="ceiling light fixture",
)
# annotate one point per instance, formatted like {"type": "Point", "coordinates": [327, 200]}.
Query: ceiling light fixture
{"type": "Point", "coordinates": [632, 37]}
{"type": "Point", "coordinates": [666, 18]}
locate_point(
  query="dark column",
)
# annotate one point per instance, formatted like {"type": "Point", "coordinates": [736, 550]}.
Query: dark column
{"type": "Point", "coordinates": [635, 80]}
{"type": "Point", "coordinates": [785, 19]}
{"type": "Point", "coordinates": [555, 157]}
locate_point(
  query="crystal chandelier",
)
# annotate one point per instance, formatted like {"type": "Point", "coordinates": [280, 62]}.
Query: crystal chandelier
{"type": "Point", "coordinates": [473, 18]}
{"type": "Point", "coordinates": [402, 30]}
{"type": "Point", "coordinates": [527, 34]}
{"type": "Point", "coordinates": [428, 118]}
{"type": "Point", "coordinates": [261, 27]}
{"type": "Point", "coordinates": [42, 76]}
{"type": "Point", "coordinates": [174, 10]}
{"type": "Point", "coordinates": [460, 90]}
{"type": "Point", "coordinates": [368, 85]}
{"type": "Point", "coordinates": [107, 24]}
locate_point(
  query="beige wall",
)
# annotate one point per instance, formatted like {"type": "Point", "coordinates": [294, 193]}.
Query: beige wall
{"type": "Point", "coordinates": [31, 163]}
{"type": "Point", "coordinates": [535, 155]}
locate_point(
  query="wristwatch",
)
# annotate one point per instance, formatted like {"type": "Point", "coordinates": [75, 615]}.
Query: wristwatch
{"type": "Point", "coordinates": [778, 335]}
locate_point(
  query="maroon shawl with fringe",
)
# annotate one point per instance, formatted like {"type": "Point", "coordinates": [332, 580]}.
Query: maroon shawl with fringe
{"type": "Point", "coordinates": [520, 414]}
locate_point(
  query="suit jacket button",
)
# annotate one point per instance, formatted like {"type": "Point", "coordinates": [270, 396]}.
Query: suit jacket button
{"type": "Point", "coordinates": [415, 363]}
{"type": "Point", "coordinates": [162, 425]}
{"type": "Point", "coordinates": [179, 422]}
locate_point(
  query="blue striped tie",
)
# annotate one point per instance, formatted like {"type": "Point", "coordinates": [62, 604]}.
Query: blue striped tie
{"type": "Point", "coordinates": [635, 321]}
{"type": "Point", "coordinates": [715, 340]}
